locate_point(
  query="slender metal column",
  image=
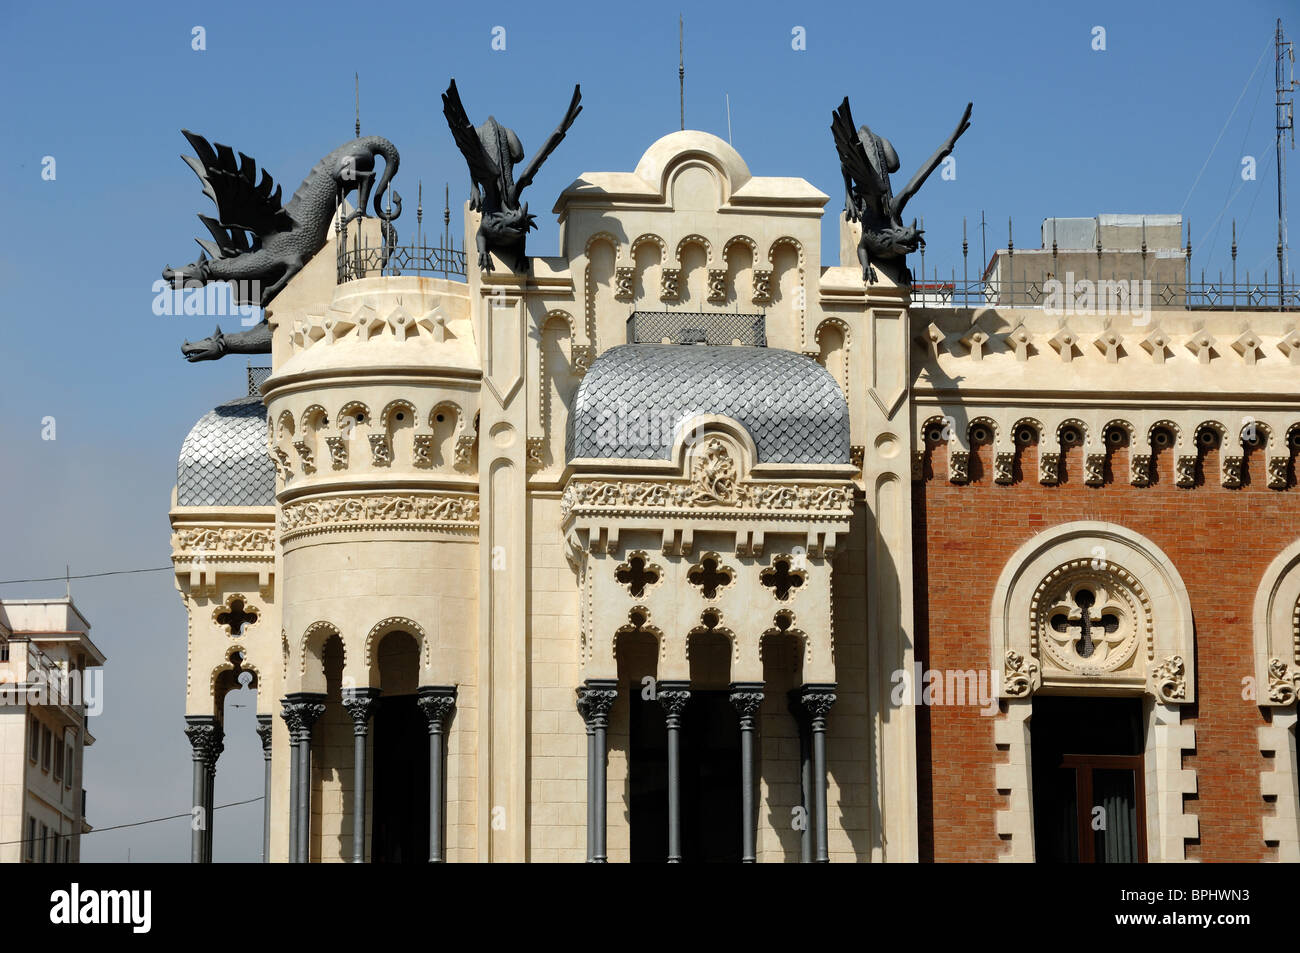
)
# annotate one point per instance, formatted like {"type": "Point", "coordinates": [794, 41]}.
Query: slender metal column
{"type": "Point", "coordinates": [360, 704]}
{"type": "Point", "coordinates": [201, 730]}
{"type": "Point", "coordinates": [290, 715]}
{"type": "Point", "coordinates": [210, 803]}
{"type": "Point", "coordinates": [595, 699]}
{"type": "Point", "coordinates": [264, 733]}
{"type": "Point", "coordinates": [805, 775]}
{"type": "Point", "coordinates": [674, 696]}
{"type": "Point", "coordinates": [584, 711]}
{"type": "Point", "coordinates": [307, 706]}
{"type": "Point", "coordinates": [747, 697]}
{"type": "Point", "coordinates": [438, 702]}
{"type": "Point", "coordinates": [817, 700]}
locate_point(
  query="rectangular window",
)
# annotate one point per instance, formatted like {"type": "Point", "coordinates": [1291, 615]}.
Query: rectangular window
{"type": "Point", "coordinates": [4, 651]}
{"type": "Point", "coordinates": [29, 848]}
{"type": "Point", "coordinates": [67, 766]}
{"type": "Point", "coordinates": [67, 849]}
{"type": "Point", "coordinates": [58, 766]}
{"type": "Point", "coordinates": [47, 743]}
{"type": "Point", "coordinates": [33, 738]}
{"type": "Point", "coordinates": [45, 844]}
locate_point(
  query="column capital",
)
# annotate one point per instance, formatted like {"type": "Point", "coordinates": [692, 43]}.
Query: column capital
{"type": "Point", "coordinates": [204, 733]}
{"type": "Point", "coordinates": [817, 700]}
{"type": "Point", "coordinates": [747, 698]}
{"type": "Point", "coordinates": [264, 724]}
{"type": "Point", "coordinates": [437, 702]}
{"type": "Point", "coordinates": [300, 711]}
{"type": "Point", "coordinates": [595, 698]}
{"type": "Point", "coordinates": [360, 704]}
{"type": "Point", "coordinates": [673, 696]}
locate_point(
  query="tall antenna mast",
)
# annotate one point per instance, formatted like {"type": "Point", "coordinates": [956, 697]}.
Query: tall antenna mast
{"type": "Point", "coordinates": [681, 64]}
{"type": "Point", "coordinates": [1285, 121]}
{"type": "Point", "coordinates": [729, 142]}
{"type": "Point", "coordinates": [356, 78]}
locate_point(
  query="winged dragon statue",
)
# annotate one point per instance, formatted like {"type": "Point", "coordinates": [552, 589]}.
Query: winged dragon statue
{"type": "Point", "coordinates": [492, 151]}
{"type": "Point", "coordinates": [257, 244]}
{"type": "Point", "coordinates": [866, 161]}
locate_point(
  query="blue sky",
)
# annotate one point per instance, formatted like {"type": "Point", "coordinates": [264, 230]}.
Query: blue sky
{"type": "Point", "coordinates": [1058, 129]}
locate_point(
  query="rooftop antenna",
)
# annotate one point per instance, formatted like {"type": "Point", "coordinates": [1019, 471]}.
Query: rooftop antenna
{"type": "Point", "coordinates": [356, 79]}
{"type": "Point", "coordinates": [67, 580]}
{"type": "Point", "coordinates": [681, 65]}
{"type": "Point", "coordinates": [1285, 121]}
{"type": "Point", "coordinates": [729, 142]}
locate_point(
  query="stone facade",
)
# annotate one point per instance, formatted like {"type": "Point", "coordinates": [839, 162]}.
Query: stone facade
{"type": "Point", "coordinates": [430, 537]}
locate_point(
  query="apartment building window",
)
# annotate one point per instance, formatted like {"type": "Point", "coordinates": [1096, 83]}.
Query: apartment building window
{"type": "Point", "coordinates": [4, 651]}
{"type": "Point", "coordinates": [67, 849]}
{"type": "Point", "coordinates": [58, 767]}
{"type": "Point", "coordinates": [67, 766]}
{"type": "Point", "coordinates": [45, 844]}
{"type": "Point", "coordinates": [47, 743]}
{"type": "Point", "coordinates": [33, 738]}
{"type": "Point", "coordinates": [29, 848]}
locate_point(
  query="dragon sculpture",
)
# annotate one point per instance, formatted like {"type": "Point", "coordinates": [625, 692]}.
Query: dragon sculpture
{"type": "Point", "coordinates": [866, 160]}
{"type": "Point", "coordinates": [257, 244]}
{"type": "Point", "coordinates": [492, 151]}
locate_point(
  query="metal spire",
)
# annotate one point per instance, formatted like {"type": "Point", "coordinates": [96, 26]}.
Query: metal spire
{"type": "Point", "coordinates": [356, 78]}
{"type": "Point", "coordinates": [681, 65]}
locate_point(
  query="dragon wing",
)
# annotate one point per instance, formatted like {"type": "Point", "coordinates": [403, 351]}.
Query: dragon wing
{"type": "Point", "coordinates": [853, 156]}
{"type": "Point", "coordinates": [914, 184]}
{"type": "Point", "coordinates": [548, 147]}
{"type": "Point", "coordinates": [247, 210]}
{"type": "Point", "coordinates": [481, 167]}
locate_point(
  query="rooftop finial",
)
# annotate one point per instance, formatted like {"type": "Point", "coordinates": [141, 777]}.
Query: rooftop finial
{"type": "Point", "coordinates": [356, 79]}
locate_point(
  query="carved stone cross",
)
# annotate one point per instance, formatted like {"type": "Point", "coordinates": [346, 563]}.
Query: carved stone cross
{"type": "Point", "coordinates": [1108, 623]}
{"type": "Point", "coordinates": [709, 576]}
{"type": "Point", "coordinates": [636, 575]}
{"type": "Point", "coordinates": [236, 618]}
{"type": "Point", "coordinates": [780, 579]}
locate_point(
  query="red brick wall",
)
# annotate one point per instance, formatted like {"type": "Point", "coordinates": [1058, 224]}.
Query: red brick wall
{"type": "Point", "coordinates": [1220, 541]}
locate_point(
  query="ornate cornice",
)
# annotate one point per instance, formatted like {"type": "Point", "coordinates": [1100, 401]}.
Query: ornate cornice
{"type": "Point", "coordinates": [212, 541]}
{"type": "Point", "coordinates": [379, 510]}
{"type": "Point", "coordinates": [606, 497]}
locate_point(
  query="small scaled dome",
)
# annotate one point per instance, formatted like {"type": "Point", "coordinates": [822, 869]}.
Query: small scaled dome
{"type": "Point", "coordinates": [224, 461]}
{"type": "Point", "coordinates": [635, 396]}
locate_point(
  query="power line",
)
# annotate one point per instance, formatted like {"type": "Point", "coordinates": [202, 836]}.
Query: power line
{"type": "Point", "coordinates": [152, 820]}
{"type": "Point", "coordinates": [88, 575]}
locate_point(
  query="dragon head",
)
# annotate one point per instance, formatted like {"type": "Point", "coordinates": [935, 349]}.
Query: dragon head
{"type": "Point", "coordinates": [903, 239]}
{"type": "Point", "coordinates": [209, 349]}
{"type": "Point", "coordinates": [196, 272]}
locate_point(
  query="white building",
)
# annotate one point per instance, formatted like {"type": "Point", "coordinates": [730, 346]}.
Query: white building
{"type": "Point", "coordinates": [45, 657]}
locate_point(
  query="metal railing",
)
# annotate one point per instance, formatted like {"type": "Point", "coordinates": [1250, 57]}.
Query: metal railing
{"type": "Point", "coordinates": [686, 327]}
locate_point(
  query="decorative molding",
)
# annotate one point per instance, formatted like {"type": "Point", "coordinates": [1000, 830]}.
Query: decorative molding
{"type": "Point", "coordinates": [338, 447]}
{"type": "Point", "coordinates": [1004, 462]}
{"type": "Point", "coordinates": [535, 448]}
{"type": "Point", "coordinates": [763, 286]}
{"type": "Point", "coordinates": [624, 279]}
{"type": "Point", "coordinates": [669, 280]}
{"type": "Point", "coordinates": [465, 451]}
{"type": "Point", "coordinates": [411, 511]}
{"type": "Point", "coordinates": [211, 541]}
{"type": "Point", "coordinates": [619, 497]}
{"type": "Point", "coordinates": [1283, 682]}
{"type": "Point", "coordinates": [1020, 675]}
{"type": "Point", "coordinates": [718, 285]}
{"type": "Point", "coordinates": [1169, 679]}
